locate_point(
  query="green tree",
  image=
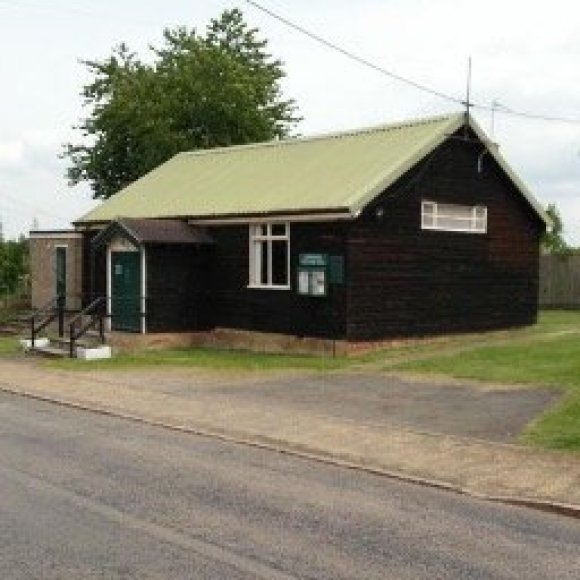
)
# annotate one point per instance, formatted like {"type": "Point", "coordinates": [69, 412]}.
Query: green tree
{"type": "Point", "coordinates": [198, 91]}
{"type": "Point", "coordinates": [553, 241]}
{"type": "Point", "coordinates": [13, 265]}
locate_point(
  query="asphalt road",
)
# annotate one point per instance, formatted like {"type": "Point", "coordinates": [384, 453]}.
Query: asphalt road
{"type": "Point", "coordinates": [90, 496]}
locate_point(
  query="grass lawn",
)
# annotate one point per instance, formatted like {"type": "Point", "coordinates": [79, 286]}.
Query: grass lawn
{"type": "Point", "coordinates": [9, 345]}
{"type": "Point", "coordinates": [210, 358]}
{"type": "Point", "coordinates": [547, 354]}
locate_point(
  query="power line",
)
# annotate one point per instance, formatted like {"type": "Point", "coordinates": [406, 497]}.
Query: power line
{"type": "Point", "coordinates": [499, 108]}
{"type": "Point", "coordinates": [419, 86]}
{"type": "Point", "coordinates": [31, 207]}
{"type": "Point", "coordinates": [355, 57]}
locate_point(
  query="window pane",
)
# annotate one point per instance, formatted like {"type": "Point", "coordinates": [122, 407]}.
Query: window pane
{"type": "Point", "coordinates": [263, 263]}
{"type": "Point", "coordinates": [278, 229]}
{"type": "Point", "coordinates": [454, 223]}
{"type": "Point", "coordinates": [280, 263]}
{"type": "Point", "coordinates": [453, 217]}
{"type": "Point", "coordinates": [428, 221]}
{"type": "Point", "coordinates": [427, 214]}
{"type": "Point", "coordinates": [428, 208]}
{"type": "Point", "coordinates": [269, 247]}
{"type": "Point", "coordinates": [456, 211]}
{"type": "Point", "coordinates": [480, 224]}
{"type": "Point", "coordinates": [255, 263]}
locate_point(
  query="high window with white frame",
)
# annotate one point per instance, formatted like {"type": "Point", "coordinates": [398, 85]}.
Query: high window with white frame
{"type": "Point", "coordinates": [270, 255]}
{"type": "Point", "coordinates": [453, 218]}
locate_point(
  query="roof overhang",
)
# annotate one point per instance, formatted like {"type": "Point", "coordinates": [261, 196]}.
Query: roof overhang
{"type": "Point", "coordinates": [55, 234]}
{"type": "Point", "coordinates": [141, 232]}
{"type": "Point", "coordinates": [322, 216]}
{"type": "Point", "coordinates": [273, 217]}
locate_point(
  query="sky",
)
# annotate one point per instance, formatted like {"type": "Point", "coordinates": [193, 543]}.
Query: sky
{"type": "Point", "coordinates": [525, 56]}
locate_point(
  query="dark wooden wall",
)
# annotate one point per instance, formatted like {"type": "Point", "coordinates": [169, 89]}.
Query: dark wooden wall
{"type": "Point", "coordinates": [400, 281]}
{"type": "Point", "coordinates": [403, 281]}
{"type": "Point", "coordinates": [279, 311]}
{"type": "Point", "coordinates": [179, 282]}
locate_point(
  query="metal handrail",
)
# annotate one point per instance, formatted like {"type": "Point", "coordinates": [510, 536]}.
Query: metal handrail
{"type": "Point", "coordinates": [52, 309]}
{"type": "Point", "coordinates": [90, 310]}
{"type": "Point", "coordinates": [87, 310]}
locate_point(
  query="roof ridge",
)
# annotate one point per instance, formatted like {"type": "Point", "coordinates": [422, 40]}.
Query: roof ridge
{"type": "Point", "coordinates": [323, 136]}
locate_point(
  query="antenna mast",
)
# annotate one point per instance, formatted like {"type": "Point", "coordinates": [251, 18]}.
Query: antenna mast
{"type": "Point", "coordinates": [495, 104]}
{"type": "Point", "coordinates": [468, 89]}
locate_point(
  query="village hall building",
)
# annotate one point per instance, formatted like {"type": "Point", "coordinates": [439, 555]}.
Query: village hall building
{"type": "Point", "coordinates": [403, 230]}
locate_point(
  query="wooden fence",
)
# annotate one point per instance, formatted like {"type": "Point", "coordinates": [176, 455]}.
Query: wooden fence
{"type": "Point", "coordinates": [560, 281]}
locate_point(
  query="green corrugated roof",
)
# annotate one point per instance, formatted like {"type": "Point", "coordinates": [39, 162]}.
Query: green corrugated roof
{"type": "Point", "coordinates": [332, 173]}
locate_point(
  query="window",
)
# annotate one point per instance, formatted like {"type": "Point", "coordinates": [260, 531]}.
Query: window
{"type": "Point", "coordinates": [60, 270]}
{"type": "Point", "coordinates": [270, 255]}
{"type": "Point", "coordinates": [453, 218]}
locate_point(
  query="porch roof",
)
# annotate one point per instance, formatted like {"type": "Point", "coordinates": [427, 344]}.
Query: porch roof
{"type": "Point", "coordinates": [154, 231]}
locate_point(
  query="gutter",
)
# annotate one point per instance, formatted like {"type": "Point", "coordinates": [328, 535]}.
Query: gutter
{"type": "Point", "coordinates": [334, 214]}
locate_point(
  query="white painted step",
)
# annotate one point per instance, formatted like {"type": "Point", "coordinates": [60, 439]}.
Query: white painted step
{"type": "Point", "coordinates": [94, 353]}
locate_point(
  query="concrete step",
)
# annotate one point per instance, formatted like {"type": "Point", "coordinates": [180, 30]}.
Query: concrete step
{"type": "Point", "coordinates": [89, 347]}
{"type": "Point", "coordinates": [82, 352]}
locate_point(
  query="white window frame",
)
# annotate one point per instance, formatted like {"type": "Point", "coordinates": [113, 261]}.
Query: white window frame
{"type": "Point", "coordinates": [256, 239]}
{"type": "Point", "coordinates": [432, 218]}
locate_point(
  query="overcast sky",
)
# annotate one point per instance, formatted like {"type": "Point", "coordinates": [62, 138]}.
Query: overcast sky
{"type": "Point", "coordinates": [525, 55]}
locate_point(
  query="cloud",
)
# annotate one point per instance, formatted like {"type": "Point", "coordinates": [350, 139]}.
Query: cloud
{"type": "Point", "coordinates": [11, 153]}
{"type": "Point", "coordinates": [31, 148]}
{"type": "Point", "coordinates": [33, 185]}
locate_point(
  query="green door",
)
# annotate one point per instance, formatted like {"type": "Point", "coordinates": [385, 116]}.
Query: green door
{"type": "Point", "coordinates": [60, 271]}
{"type": "Point", "coordinates": [126, 291]}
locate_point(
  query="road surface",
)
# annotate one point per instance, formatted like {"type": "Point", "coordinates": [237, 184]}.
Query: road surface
{"type": "Point", "coordinates": [89, 496]}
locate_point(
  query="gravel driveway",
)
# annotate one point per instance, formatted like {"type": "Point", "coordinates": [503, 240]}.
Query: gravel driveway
{"type": "Point", "coordinates": [494, 413]}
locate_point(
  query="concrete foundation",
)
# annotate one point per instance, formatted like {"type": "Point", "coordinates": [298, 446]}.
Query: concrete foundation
{"type": "Point", "coordinates": [226, 338]}
{"type": "Point", "coordinates": [231, 339]}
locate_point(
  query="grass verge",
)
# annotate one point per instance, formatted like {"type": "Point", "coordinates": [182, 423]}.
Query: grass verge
{"type": "Point", "coordinates": [209, 358]}
{"type": "Point", "coordinates": [9, 345]}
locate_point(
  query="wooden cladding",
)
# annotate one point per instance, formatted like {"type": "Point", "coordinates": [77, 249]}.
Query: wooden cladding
{"type": "Point", "coordinates": [237, 305]}
{"type": "Point", "coordinates": [406, 281]}
{"type": "Point", "coordinates": [397, 279]}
